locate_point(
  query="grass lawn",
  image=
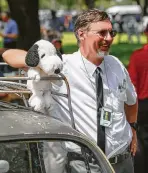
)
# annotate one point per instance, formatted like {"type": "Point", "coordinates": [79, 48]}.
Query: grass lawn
{"type": "Point", "coordinates": [121, 50]}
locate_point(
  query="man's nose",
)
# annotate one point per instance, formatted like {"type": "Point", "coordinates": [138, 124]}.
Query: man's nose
{"type": "Point", "coordinates": [108, 36]}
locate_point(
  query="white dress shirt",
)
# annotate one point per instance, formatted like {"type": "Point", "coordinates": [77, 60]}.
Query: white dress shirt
{"type": "Point", "coordinates": [117, 89]}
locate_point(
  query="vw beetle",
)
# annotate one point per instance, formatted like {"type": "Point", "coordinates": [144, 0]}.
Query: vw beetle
{"type": "Point", "coordinates": [23, 133]}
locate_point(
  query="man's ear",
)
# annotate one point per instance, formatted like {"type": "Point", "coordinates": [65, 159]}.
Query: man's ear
{"type": "Point", "coordinates": [32, 57]}
{"type": "Point", "coordinates": [81, 34]}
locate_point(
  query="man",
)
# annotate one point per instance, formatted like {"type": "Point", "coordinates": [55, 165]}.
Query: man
{"type": "Point", "coordinates": [138, 70]}
{"type": "Point", "coordinates": [9, 35]}
{"type": "Point", "coordinates": [94, 33]}
{"type": "Point", "coordinates": [10, 31]}
{"type": "Point", "coordinates": [57, 42]}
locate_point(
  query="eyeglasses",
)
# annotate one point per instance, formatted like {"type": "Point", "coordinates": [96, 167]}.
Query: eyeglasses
{"type": "Point", "coordinates": [104, 33]}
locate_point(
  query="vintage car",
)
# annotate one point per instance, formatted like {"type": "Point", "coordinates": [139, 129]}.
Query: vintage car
{"type": "Point", "coordinates": [27, 138]}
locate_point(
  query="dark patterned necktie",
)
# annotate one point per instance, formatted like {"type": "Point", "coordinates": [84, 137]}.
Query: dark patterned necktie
{"type": "Point", "coordinates": [100, 129]}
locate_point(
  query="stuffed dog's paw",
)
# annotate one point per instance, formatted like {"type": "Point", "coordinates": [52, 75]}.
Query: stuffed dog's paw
{"type": "Point", "coordinates": [34, 74]}
{"type": "Point", "coordinates": [37, 103]}
{"type": "Point", "coordinates": [48, 99]}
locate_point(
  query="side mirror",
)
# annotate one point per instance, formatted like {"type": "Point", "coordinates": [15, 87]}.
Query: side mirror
{"type": "Point", "coordinates": [4, 166]}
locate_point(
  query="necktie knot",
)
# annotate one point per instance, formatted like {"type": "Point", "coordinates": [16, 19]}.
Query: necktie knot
{"type": "Point", "coordinates": [98, 70]}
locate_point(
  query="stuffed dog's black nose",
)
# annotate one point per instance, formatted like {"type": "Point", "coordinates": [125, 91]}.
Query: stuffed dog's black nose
{"type": "Point", "coordinates": [57, 71]}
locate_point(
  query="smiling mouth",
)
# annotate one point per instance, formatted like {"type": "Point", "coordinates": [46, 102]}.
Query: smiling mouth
{"type": "Point", "coordinates": [105, 46]}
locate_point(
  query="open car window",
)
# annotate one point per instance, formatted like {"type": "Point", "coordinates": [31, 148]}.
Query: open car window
{"type": "Point", "coordinates": [47, 157]}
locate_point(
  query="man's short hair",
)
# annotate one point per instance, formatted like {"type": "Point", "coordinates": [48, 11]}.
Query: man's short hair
{"type": "Point", "coordinates": [8, 13]}
{"type": "Point", "coordinates": [87, 17]}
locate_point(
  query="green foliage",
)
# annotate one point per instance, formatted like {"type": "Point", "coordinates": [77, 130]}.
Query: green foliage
{"type": "Point", "coordinates": [57, 4]}
{"type": "Point", "coordinates": [81, 4]}
{"type": "Point", "coordinates": [44, 4]}
{"type": "Point", "coordinates": [3, 5]}
{"type": "Point", "coordinates": [123, 51]}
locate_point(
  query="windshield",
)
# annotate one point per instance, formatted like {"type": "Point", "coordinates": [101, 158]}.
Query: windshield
{"type": "Point", "coordinates": [47, 157]}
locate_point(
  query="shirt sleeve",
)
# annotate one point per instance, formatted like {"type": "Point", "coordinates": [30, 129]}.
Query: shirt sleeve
{"type": "Point", "coordinates": [130, 90]}
{"type": "Point", "coordinates": [132, 70]}
{"type": "Point", "coordinates": [15, 28]}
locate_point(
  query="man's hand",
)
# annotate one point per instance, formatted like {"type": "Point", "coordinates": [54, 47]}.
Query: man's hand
{"type": "Point", "coordinates": [133, 147]}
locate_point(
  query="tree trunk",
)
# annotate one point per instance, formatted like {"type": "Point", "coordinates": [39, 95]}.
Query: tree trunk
{"type": "Point", "coordinates": [138, 2]}
{"type": "Point", "coordinates": [145, 8]}
{"type": "Point", "coordinates": [90, 3]}
{"type": "Point", "coordinates": [25, 13]}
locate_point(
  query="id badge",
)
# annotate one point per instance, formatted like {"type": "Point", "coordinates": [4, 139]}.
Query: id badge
{"type": "Point", "coordinates": [106, 117]}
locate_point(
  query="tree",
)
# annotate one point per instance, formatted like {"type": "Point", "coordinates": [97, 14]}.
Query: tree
{"type": "Point", "coordinates": [25, 13]}
{"type": "Point", "coordinates": [90, 3]}
{"type": "Point", "coordinates": [144, 6]}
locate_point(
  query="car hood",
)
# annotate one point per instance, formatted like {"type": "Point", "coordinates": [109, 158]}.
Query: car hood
{"type": "Point", "coordinates": [17, 122]}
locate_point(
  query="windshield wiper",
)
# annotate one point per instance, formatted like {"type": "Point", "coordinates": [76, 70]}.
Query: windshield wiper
{"type": "Point", "coordinates": [7, 106]}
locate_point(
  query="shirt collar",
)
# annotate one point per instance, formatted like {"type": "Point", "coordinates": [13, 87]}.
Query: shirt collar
{"type": "Point", "coordinates": [85, 64]}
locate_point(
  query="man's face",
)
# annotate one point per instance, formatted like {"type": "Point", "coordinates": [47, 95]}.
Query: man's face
{"type": "Point", "coordinates": [57, 44]}
{"type": "Point", "coordinates": [98, 38]}
{"type": "Point", "coordinates": [4, 17]}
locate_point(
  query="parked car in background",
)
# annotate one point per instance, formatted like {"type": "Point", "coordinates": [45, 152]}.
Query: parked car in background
{"type": "Point", "coordinates": [122, 16]}
{"type": "Point", "coordinates": [124, 9]}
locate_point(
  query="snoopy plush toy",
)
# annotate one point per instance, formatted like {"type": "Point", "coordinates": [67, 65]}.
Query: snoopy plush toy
{"type": "Point", "coordinates": [43, 60]}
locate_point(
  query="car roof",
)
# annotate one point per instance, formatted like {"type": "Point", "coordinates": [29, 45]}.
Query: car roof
{"type": "Point", "coordinates": [124, 9]}
{"type": "Point", "coordinates": [18, 125]}
{"type": "Point", "coordinates": [25, 122]}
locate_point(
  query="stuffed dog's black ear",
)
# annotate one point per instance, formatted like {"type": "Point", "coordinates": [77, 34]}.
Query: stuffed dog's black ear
{"type": "Point", "coordinates": [32, 57]}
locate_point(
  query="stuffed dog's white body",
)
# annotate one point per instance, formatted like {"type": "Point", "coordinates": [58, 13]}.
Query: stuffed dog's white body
{"type": "Point", "coordinates": [47, 63]}
{"type": "Point", "coordinates": [41, 98]}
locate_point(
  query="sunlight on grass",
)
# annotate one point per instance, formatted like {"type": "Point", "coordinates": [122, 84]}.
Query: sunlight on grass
{"type": "Point", "coordinates": [124, 39]}
{"type": "Point", "coordinates": [69, 38]}
{"type": "Point", "coordinates": [1, 42]}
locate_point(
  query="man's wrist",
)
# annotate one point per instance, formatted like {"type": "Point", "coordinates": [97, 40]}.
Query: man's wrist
{"type": "Point", "coordinates": [134, 125]}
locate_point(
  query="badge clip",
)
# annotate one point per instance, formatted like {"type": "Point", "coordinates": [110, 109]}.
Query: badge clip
{"type": "Point", "coordinates": [106, 117]}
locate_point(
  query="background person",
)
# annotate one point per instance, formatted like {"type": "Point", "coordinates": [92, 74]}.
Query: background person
{"type": "Point", "coordinates": [138, 70]}
{"type": "Point", "coordinates": [58, 44]}
{"type": "Point", "coordinates": [133, 29]}
{"type": "Point", "coordinates": [93, 30]}
{"type": "Point", "coordinates": [10, 33]}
